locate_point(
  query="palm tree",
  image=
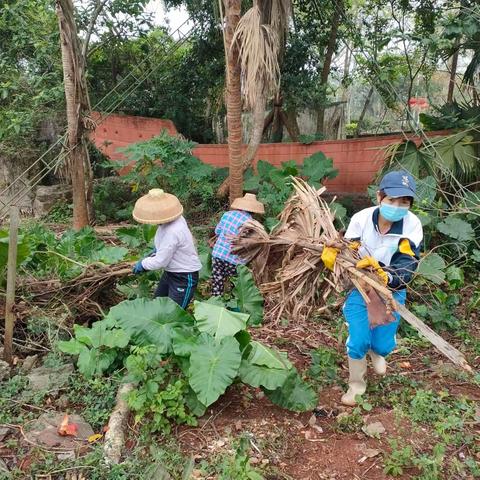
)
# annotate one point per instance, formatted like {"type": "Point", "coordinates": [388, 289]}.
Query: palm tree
{"type": "Point", "coordinates": [77, 104]}
{"type": "Point", "coordinates": [253, 44]}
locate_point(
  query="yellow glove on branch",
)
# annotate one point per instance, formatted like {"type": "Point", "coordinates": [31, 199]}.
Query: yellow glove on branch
{"type": "Point", "coordinates": [370, 262]}
{"type": "Point", "coordinates": [354, 245]}
{"type": "Point", "coordinates": [329, 256]}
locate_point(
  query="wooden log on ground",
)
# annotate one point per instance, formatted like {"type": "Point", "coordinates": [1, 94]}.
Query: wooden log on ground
{"type": "Point", "coordinates": [115, 435]}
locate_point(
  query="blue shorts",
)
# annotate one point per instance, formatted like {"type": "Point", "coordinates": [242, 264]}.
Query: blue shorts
{"type": "Point", "coordinates": [361, 338]}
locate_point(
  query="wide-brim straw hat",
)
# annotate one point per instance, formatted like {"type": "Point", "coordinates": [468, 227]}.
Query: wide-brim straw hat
{"type": "Point", "coordinates": [249, 203]}
{"type": "Point", "coordinates": [157, 207]}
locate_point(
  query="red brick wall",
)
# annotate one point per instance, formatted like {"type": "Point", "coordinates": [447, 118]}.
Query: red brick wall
{"type": "Point", "coordinates": [116, 131]}
{"type": "Point", "coordinates": [357, 160]}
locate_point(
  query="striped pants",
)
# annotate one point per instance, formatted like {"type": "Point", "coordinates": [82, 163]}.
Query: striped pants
{"type": "Point", "coordinates": [180, 287]}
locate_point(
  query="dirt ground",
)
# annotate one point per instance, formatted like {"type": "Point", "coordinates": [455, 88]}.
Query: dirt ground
{"type": "Point", "coordinates": [309, 446]}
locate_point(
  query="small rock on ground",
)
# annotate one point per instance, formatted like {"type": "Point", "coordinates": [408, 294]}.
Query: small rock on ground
{"type": "Point", "coordinates": [49, 378]}
{"type": "Point", "coordinates": [4, 370]}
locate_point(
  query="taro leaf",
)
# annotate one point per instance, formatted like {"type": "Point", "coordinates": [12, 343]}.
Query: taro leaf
{"type": "Point", "coordinates": [149, 232]}
{"type": "Point", "coordinates": [317, 167]}
{"type": "Point", "coordinates": [109, 255]}
{"type": "Point", "coordinates": [72, 347]}
{"type": "Point", "coordinates": [457, 229]}
{"type": "Point", "coordinates": [213, 367]}
{"type": "Point", "coordinates": [94, 362]}
{"type": "Point", "coordinates": [183, 341]}
{"type": "Point", "coordinates": [432, 267]}
{"type": "Point", "coordinates": [23, 248]}
{"type": "Point", "coordinates": [243, 338]}
{"type": "Point", "coordinates": [249, 298]}
{"type": "Point", "coordinates": [150, 322]}
{"type": "Point", "coordinates": [294, 394]}
{"type": "Point", "coordinates": [194, 404]}
{"type": "Point", "coordinates": [262, 376]}
{"type": "Point", "coordinates": [263, 355]}
{"type": "Point", "coordinates": [206, 260]}
{"type": "Point", "coordinates": [130, 236]}
{"type": "Point", "coordinates": [218, 321]}
{"type": "Point", "coordinates": [101, 334]}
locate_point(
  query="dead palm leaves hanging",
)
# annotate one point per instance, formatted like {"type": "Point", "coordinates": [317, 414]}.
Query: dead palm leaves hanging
{"type": "Point", "coordinates": [258, 46]}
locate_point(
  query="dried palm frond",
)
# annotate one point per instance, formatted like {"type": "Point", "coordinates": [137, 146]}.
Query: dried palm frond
{"type": "Point", "coordinates": [258, 46]}
{"type": "Point", "coordinates": [287, 264]}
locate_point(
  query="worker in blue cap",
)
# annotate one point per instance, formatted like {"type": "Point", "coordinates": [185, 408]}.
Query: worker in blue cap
{"type": "Point", "coordinates": [388, 238]}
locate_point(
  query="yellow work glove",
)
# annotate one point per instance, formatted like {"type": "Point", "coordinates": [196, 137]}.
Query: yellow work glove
{"type": "Point", "coordinates": [370, 262]}
{"type": "Point", "coordinates": [329, 256]}
{"type": "Point", "coordinates": [354, 246]}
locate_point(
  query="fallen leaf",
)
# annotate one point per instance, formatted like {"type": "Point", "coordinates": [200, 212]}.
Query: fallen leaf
{"type": "Point", "coordinates": [312, 420]}
{"type": "Point", "coordinates": [93, 438]}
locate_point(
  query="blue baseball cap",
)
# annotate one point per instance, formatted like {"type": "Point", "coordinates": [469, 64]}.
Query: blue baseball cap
{"type": "Point", "coordinates": [398, 184]}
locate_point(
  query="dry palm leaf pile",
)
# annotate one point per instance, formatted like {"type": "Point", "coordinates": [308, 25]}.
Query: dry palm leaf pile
{"type": "Point", "coordinates": [291, 274]}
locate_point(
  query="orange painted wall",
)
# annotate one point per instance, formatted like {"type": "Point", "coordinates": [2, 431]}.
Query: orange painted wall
{"type": "Point", "coordinates": [357, 160]}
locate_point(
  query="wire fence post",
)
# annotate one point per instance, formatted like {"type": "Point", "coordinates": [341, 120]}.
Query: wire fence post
{"type": "Point", "coordinates": [11, 277]}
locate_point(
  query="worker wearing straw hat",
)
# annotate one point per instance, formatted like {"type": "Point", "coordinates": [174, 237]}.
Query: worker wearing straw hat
{"type": "Point", "coordinates": [224, 262]}
{"type": "Point", "coordinates": [175, 250]}
{"type": "Point", "coordinates": [388, 237]}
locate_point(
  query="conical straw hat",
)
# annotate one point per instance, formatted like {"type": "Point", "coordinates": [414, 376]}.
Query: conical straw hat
{"type": "Point", "coordinates": [157, 207]}
{"type": "Point", "coordinates": [249, 203]}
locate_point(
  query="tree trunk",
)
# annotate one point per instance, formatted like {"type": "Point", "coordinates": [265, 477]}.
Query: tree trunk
{"type": "Point", "coordinates": [255, 140]}
{"type": "Point", "coordinates": [234, 101]}
{"type": "Point", "coordinates": [453, 74]}
{"type": "Point", "coordinates": [332, 41]}
{"type": "Point", "coordinates": [364, 111]}
{"type": "Point", "coordinates": [289, 119]}
{"type": "Point", "coordinates": [77, 104]}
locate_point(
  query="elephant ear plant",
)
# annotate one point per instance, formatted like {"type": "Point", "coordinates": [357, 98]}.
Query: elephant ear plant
{"type": "Point", "coordinates": [182, 363]}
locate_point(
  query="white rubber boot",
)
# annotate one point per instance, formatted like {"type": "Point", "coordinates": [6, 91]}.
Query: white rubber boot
{"type": "Point", "coordinates": [379, 363]}
{"type": "Point", "coordinates": [356, 382]}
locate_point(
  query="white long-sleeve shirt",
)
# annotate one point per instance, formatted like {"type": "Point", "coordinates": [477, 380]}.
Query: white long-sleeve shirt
{"type": "Point", "coordinates": [175, 247]}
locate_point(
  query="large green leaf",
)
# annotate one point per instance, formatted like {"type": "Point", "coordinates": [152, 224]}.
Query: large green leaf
{"type": "Point", "coordinates": [457, 229]}
{"type": "Point", "coordinates": [109, 255]}
{"type": "Point", "coordinates": [262, 376]}
{"type": "Point", "coordinates": [426, 190]}
{"type": "Point", "coordinates": [317, 167]}
{"type": "Point", "coordinates": [218, 321]}
{"type": "Point", "coordinates": [150, 322]}
{"type": "Point", "coordinates": [432, 267]}
{"type": "Point", "coordinates": [101, 334]}
{"type": "Point", "coordinates": [294, 394]}
{"type": "Point", "coordinates": [249, 298]}
{"type": "Point", "coordinates": [262, 355]}
{"type": "Point", "coordinates": [23, 251]}
{"type": "Point", "coordinates": [213, 367]}
{"type": "Point", "coordinates": [95, 362]}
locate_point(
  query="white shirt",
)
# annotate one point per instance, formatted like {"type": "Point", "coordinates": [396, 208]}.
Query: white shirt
{"type": "Point", "coordinates": [176, 250]}
{"type": "Point", "coordinates": [364, 227]}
